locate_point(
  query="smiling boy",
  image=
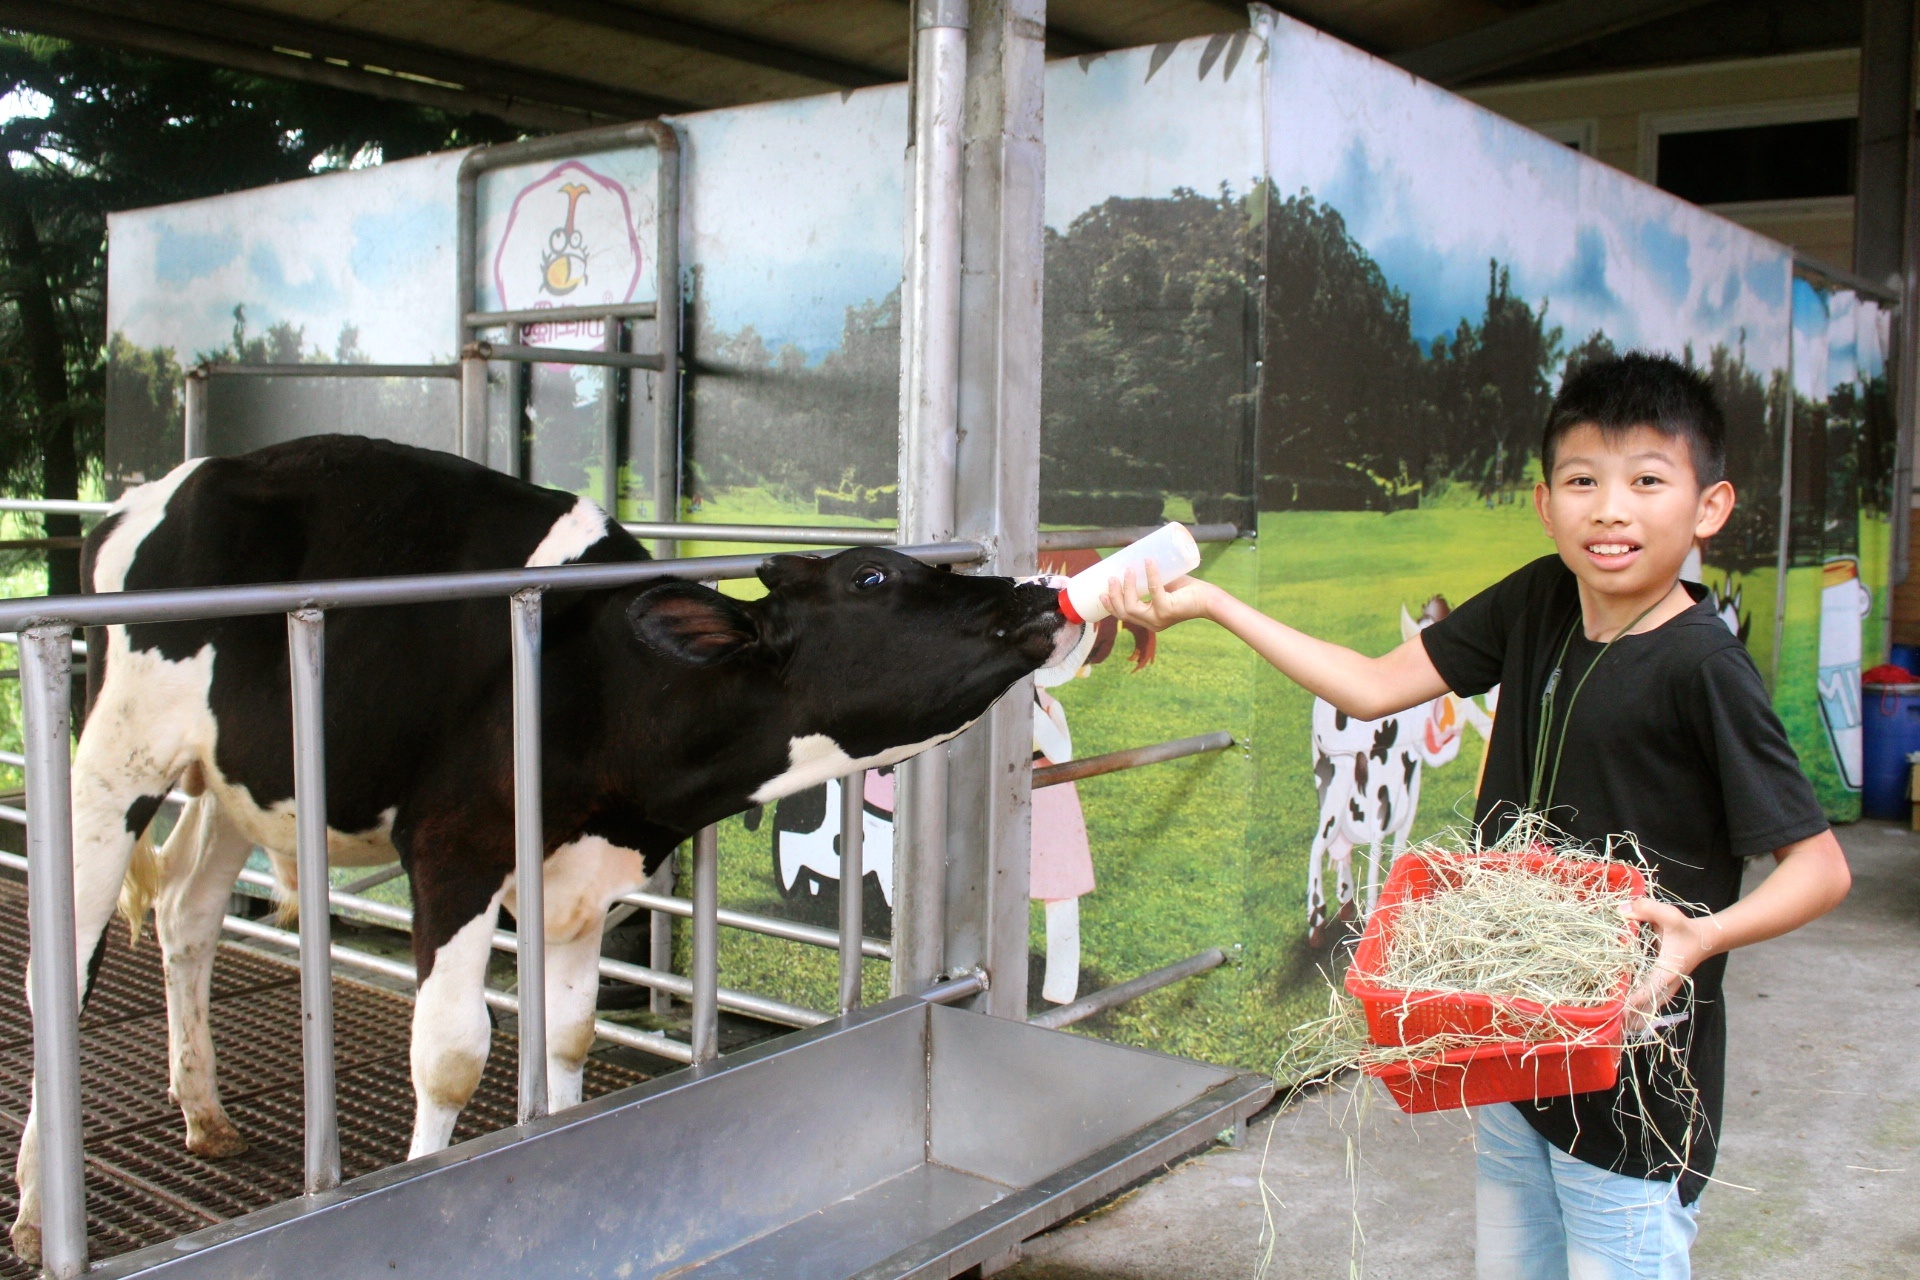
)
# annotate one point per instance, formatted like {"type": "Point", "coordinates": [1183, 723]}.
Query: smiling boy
{"type": "Point", "coordinates": [1626, 706]}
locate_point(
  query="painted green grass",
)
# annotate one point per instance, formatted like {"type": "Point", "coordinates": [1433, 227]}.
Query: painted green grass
{"type": "Point", "coordinates": [1211, 851]}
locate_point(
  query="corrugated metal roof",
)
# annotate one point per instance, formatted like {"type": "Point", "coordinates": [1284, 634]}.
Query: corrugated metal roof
{"type": "Point", "coordinates": [564, 63]}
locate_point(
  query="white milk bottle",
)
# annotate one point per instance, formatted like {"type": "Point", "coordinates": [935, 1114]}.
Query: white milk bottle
{"type": "Point", "coordinates": [1171, 547]}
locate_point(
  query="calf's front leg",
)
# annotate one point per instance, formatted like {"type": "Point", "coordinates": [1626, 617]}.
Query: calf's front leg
{"type": "Point", "coordinates": [451, 1031]}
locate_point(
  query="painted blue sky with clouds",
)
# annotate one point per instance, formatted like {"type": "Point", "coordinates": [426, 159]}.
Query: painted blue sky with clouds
{"type": "Point", "coordinates": [794, 211]}
{"type": "Point", "coordinates": [1433, 187]}
{"type": "Point", "coordinates": [372, 248]}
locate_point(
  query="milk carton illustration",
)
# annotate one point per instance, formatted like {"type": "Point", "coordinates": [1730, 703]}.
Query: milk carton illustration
{"type": "Point", "coordinates": [1844, 601]}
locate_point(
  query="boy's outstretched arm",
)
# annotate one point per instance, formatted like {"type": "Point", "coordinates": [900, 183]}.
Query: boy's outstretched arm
{"type": "Point", "coordinates": [1365, 688]}
{"type": "Point", "coordinates": [1809, 880]}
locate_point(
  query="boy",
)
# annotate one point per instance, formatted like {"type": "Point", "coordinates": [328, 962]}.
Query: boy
{"type": "Point", "coordinates": [1626, 706]}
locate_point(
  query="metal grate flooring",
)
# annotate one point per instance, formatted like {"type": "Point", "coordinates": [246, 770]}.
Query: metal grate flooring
{"type": "Point", "coordinates": [143, 1186]}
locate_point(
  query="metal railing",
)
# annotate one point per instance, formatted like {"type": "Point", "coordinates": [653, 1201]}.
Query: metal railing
{"type": "Point", "coordinates": [46, 625]}
{"type": "Point", "coordinates": [43, 630]}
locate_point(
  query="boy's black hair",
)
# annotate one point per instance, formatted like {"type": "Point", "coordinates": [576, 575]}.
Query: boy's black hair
{"type": "Point", "coordinates": [1618, 393]}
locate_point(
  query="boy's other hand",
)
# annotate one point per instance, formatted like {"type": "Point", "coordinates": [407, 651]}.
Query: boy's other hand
{"type": "Point", "coordinates": [1685, 941]}
{"type": "Point", "coordinates": [1161, 604]}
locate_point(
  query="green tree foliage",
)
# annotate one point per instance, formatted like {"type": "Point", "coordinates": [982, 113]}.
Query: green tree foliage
{"type": "Point", "coordinates": [1151, 337]}
{"type": "Point", "coordinates": [104, 131]}
{"type": "Point", "coordinates": [1356, 415]}
{"type": "Point", "coordinates": [822, 434]}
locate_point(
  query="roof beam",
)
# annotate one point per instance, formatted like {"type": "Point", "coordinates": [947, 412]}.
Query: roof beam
{"type": "Point", "coordinates": [1548, 28]}
{"type": "Point", "coordinates": [714, 40]}
{"type": "Point", "coordinates": [267, 44]}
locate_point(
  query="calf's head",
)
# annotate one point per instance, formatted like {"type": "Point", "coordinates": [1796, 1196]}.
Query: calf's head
{"type": "Point", "coordinates": [861, 658]}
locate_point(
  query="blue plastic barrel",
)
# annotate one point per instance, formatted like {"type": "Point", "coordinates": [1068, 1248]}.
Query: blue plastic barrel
{"type": "Point", "coordinates": [1905, 655]}
{"type": "Point", "coordinates": [1892, 715]}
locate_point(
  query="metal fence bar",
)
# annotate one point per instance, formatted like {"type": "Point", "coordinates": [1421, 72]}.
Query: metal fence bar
{"type": "Point", "coordinates": [55, 506]}
{"type": "Point", "coordinates": [1092, 539]}
{"type": "Point", "coordinates": [292, 370]}
{"type": "Point", "coordinates": [46, 663]}
{"type": "Point", "coordinates": [660, 941]}
{"type": "Point", "coordinates": [706, 944]}
{"type": "Point", "coordinates": [182, 604]}
{"type": "Point", "coordinates": [853, 875]}
{"type": "Point", "coordinates": [560, 315]}
{"type": "Point", "coordinates": [646, 1041]}
{"type": "Point", "coordinates": [306, 656]}
{"type": "Point", "coordinates": [193, 414]}
{"type": "Point", "coordinates": [790, 930]}
{"type": "Point", "coordinates": [798, 534]}
{"type": "Point", "coordinates": [473, 409]}
{"type": "Point", "coordinates": [396, 917]}
{"type": "Point", "coordinates": [529, 856]}
{"type": "Point", "coordinates": [612, 1032]}
{"type": "Point", "coordinates": [613, 416]}
{"type": "Point", "coordinates": [565, 355]}
{"type": "Point", "coordinates": [1100, 1001]}
{"type": "Point", "coordinates": [1132, 758]}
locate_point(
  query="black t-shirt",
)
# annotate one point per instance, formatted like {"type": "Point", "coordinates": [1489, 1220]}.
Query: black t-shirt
{"type": "Point", "coordinates": [1673, 739]}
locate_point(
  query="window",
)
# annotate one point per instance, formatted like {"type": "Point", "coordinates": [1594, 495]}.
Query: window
{"type": "Point", "coordinates": [1796, 160]}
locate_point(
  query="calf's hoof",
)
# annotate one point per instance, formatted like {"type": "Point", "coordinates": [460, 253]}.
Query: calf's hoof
{"type": "Point", "coordinates": [215, 1141]}
{"type": "Point", "coordinates": [26, 1242]}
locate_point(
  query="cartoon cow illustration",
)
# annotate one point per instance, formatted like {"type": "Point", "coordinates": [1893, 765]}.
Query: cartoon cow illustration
{"type": "Point", "coordinates": [806, 838]}
{"type": "Point", "coordinates": [1368, 775]}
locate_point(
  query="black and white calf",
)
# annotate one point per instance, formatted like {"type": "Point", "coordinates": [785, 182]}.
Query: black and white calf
{"type": "Point", "coordinates": [666, 707]}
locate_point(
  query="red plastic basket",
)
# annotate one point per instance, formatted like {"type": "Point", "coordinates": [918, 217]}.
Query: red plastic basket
{"type": "Point", "coordinates": [1514, 1070]}
{"type": "Point", "coordinates": [1510, 1072]}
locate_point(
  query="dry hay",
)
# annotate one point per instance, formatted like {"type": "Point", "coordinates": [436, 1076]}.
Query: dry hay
{"type": "Point", "coordinates": [1501, 929]}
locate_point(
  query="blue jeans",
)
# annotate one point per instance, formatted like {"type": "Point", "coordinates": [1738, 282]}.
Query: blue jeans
{"type": "Point", "coordinates": [1545, 1215]}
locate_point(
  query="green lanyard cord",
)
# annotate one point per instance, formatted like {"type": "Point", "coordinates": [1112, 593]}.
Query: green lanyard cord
{"type": "Point", "coordinates": [1547, 700]}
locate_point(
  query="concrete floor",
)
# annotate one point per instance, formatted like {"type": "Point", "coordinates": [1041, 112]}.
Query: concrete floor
{"type": "Point", "coordinates": [1820, 1163]}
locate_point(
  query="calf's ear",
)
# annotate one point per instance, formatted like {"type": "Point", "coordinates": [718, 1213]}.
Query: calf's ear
{"type": "Point", "coordinates": [691, 623]}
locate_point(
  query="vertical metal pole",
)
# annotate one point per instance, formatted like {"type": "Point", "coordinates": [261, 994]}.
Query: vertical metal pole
{"type": "Point", "coordinates": [666, 383]}
{"type": "Point", "coordinates": [306, 659]}
{"type": "Point", "coordinates": [853, 875]}
{"type": "Point", "coordinates": [928, 440]}
{"type": "Point", "coordinates": [996, 481]}
{"type": "Point", "coordinates": [612, 389]}
{"type": "Point", "coordinates": [529, 855]}
{"type": "Point", "coordinates": [473, 405]}
{"type": "Point", "coordinates": [519, 396]}
{"type": "Point", "coordinates": [1883, 236]}
{"type": "Point", "coordinates": [706, 944]}
{"type": "Point", "coordinates": [46, 660]}
{"type": "Point", "coordinates": [660, 943]}
{"type": "Point", "coordinates": [666, 432]}
{"type": "Point", "coordinates": [193, 413]}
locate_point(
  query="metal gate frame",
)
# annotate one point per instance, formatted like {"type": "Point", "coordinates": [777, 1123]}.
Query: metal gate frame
{"type": "Point", "coordinates": [45, 628]}
{"type": "Point", "coordinates": [665, 312]}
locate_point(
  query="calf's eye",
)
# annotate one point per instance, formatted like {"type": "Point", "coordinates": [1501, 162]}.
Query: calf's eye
{"type": "Point", "coordinates": [868, 578]}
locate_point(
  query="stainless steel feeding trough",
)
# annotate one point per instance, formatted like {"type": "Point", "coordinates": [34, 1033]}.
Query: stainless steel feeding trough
{"type": "Point", "coordinates": [906, 1140]}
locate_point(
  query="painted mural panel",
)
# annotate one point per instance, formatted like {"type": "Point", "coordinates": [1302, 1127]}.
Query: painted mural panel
{"type": "Point", "coordinates": [1434, 272]}
{"type": "Point", "coordinates": [1835, 596]}
{"type": "Point", "coordinates": [350, 267]}
{"type": "Point", "coordinates": [1153, 215]}
{"type": "Point", "coordinates": [1286, 285]}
